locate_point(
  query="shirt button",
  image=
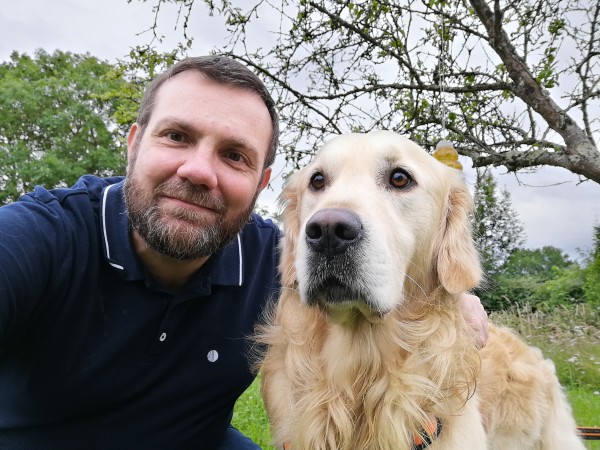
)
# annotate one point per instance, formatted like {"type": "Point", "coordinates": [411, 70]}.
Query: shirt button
{"type": "Point", "coordinates": [162, 337]}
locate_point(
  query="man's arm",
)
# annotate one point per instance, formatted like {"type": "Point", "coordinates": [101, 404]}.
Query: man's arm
{"type": "Point", "coordinates": [476, 317]}
{"type": "Point", "coordinates": [29, 243]}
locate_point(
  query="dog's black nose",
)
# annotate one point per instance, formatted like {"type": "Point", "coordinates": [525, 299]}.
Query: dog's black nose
{"type": "Point", "coordinates": [333, 230]}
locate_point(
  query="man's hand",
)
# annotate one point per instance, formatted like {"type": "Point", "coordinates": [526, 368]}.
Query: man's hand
{"type": "Point", "coordinates": [476, 317]}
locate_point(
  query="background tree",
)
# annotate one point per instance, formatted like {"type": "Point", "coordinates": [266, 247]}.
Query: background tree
{"type": "Point", "coordinates": [592, 272]}
{"type": "Point", "coordinates": [139, 68]}
{"type": "Point", "coordinates": [497, 229]}
{"type": "Point", "coordinates": [55, 124]}
{"type": "Point", "coordinates": [498, 234]}
{"type": "Point", "coordinates": [540, 278]}
{"type": "Point", "coordinates": [516, 83]}
{"type": "Point", "coordinates": [539, 262]}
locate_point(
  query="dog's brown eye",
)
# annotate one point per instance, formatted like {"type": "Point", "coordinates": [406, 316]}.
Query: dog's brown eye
{"type": "Point", "coordinates": [317, 181]}
{"type": "Point", "coordinates": [400, 179]}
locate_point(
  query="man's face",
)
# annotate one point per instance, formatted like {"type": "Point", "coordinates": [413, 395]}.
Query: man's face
{"type": "Point", "coordinates": [195, 170]}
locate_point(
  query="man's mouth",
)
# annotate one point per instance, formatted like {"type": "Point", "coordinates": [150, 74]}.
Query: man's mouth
{"type": "Point", "coordinates": [189, 197]}
{"type": "Point", "coordinates": [189, 204]}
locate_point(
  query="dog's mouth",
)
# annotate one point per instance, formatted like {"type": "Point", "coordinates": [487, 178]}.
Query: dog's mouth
{"type": "Point", "coordinates": [339, 299]}
{"type": "Point", "coordinates": [332, 291]}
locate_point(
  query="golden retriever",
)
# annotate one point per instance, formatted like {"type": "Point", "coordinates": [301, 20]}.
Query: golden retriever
{"type": "Point", "coordinates": [367, 347]}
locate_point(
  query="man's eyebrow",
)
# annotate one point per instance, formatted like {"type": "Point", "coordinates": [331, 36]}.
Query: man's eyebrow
{"type": "Point", "coordinates": [174, 122]}
{"type": "Point", "coordinates": [240, 143]}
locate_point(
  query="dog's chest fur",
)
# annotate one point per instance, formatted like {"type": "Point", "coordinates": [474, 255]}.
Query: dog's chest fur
{"type": "Point", "coordinates": [362, 385]}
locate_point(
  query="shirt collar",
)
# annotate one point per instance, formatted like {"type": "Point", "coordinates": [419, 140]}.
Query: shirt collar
{"type": "Point", "coordinates": [228, 269]}
{"type": "Point", "coordinates": [225, 267]}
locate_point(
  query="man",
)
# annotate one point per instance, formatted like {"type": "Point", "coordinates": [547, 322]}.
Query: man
{"type": "Point", "coordinates": [125, 304]}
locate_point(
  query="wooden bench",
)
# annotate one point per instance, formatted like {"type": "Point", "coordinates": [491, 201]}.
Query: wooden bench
{"type": "Point", "coordinates": [589, 433]}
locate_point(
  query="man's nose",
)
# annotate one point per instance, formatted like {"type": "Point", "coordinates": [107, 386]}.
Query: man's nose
{"type": "Point", "coordinates": [200, 166]}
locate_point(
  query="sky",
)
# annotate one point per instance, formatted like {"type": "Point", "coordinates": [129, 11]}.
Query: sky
{"type": "Point", "coordinates": [554, 208]}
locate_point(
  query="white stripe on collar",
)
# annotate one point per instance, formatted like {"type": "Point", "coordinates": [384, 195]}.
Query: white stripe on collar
{"type": "Point", "coordinates": [104, 196]}
{"type": "Point", "coordinates": [240, 279]}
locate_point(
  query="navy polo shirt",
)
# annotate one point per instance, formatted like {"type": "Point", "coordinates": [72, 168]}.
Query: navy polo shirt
{"type": "Point", "coordinates": [95, 353]}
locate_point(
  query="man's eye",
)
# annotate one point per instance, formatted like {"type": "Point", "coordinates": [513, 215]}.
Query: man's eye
{"type": "Point", "coordinates": [233, 156]}
{"type": "Point", "coordinates": [174, 136]}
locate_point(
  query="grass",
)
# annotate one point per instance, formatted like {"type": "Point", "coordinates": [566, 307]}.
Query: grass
{"type": "Point", "coordinates": [586, 409]}
{"type": "Point", "coordinates": [250, 417]}
{"type": "Point", "coordinates": [570, 337]}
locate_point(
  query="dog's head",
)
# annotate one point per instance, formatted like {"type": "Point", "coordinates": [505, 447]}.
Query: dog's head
{"type": "Point", "coordinates": [373, 218]}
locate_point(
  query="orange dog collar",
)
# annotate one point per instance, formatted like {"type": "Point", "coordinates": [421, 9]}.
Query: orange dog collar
{"type": "Point", "coordinates": [421, 440]}
{"type": "Point", "coordinates": [424, 439]}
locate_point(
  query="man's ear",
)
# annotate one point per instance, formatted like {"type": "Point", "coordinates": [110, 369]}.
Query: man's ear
{"type": "Point", "coordinates": [133, 140]}
{"type": "Point", "coordinates": [133, 131]}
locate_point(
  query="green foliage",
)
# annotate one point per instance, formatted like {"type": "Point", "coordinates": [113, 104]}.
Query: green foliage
{"type": "Point", "coordinates": [54, 123]}
{"type": "Point", "coordinates": [565, 288]}
{"type": "Point", "coordinates": [591, 285]}
{"type": "Point", "coordinates": [502, 292]}
{"type": "Point", "coordinates": [542, 278]}
{"type": "Point", "coordinates": [557, 26]}
{"type": "Point", "coordinates": [143, 64]}
{"type": "Point", "coordinates": [547, 76]}
{"type": "Point", "coordinates": [535, 262]}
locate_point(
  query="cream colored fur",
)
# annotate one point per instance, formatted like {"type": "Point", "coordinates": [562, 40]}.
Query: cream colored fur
{"type": "Point", "coordinates": [370, 374]}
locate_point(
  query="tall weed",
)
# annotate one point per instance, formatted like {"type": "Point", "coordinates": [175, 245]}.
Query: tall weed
{"type": "Point", "coordinates": [570, 337]}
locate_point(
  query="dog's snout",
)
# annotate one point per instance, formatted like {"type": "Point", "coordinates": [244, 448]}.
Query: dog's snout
{"type": "Point", "coordinates": [333, 230]}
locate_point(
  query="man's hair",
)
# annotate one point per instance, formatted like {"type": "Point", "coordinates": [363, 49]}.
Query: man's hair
{"type": "Point", "coordinates": [222, 70]}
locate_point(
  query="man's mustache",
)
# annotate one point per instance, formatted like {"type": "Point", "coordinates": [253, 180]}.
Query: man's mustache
{"type": "Point", "coordinates": [190, 193]}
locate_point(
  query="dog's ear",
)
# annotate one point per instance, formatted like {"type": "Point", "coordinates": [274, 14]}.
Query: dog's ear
{"type": "Point", "coordinates": [457, 260]}
{"type": "Point", "coordinates": [290, 201]}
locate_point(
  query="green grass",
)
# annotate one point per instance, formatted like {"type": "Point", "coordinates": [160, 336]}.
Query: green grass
{"type": "Point", "coordinates": [250, 417]}
{"type": "Point", "coordinates": [586, 409]}
{"type": "Point", "coordinates": [586, 406]}
{"type": "Point", "coordinates": [570, 337]}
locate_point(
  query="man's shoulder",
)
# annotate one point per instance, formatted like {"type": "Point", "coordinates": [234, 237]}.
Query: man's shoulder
{"type": "Point", "coordinates": [89, 186]}
{"type": "Point", "coordinates": [44, 209]}
{"type": "Point", "coordinates": [92, 183]}
{"type": "Point", "coordinates": [261, 231]}
{"type": "Point", "coordinates": [263, 224]}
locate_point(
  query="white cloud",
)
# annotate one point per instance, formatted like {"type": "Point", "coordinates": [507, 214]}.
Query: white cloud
{"type": "Point", "coordinates": [562, 215]}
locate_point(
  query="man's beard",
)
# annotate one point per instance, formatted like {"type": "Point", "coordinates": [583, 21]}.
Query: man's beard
{"type": "Point", "coordinates": [181, 233]}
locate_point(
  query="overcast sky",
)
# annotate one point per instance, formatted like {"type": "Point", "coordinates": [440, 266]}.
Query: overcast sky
{"type": "Point", "coordinates": [554, 208]}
